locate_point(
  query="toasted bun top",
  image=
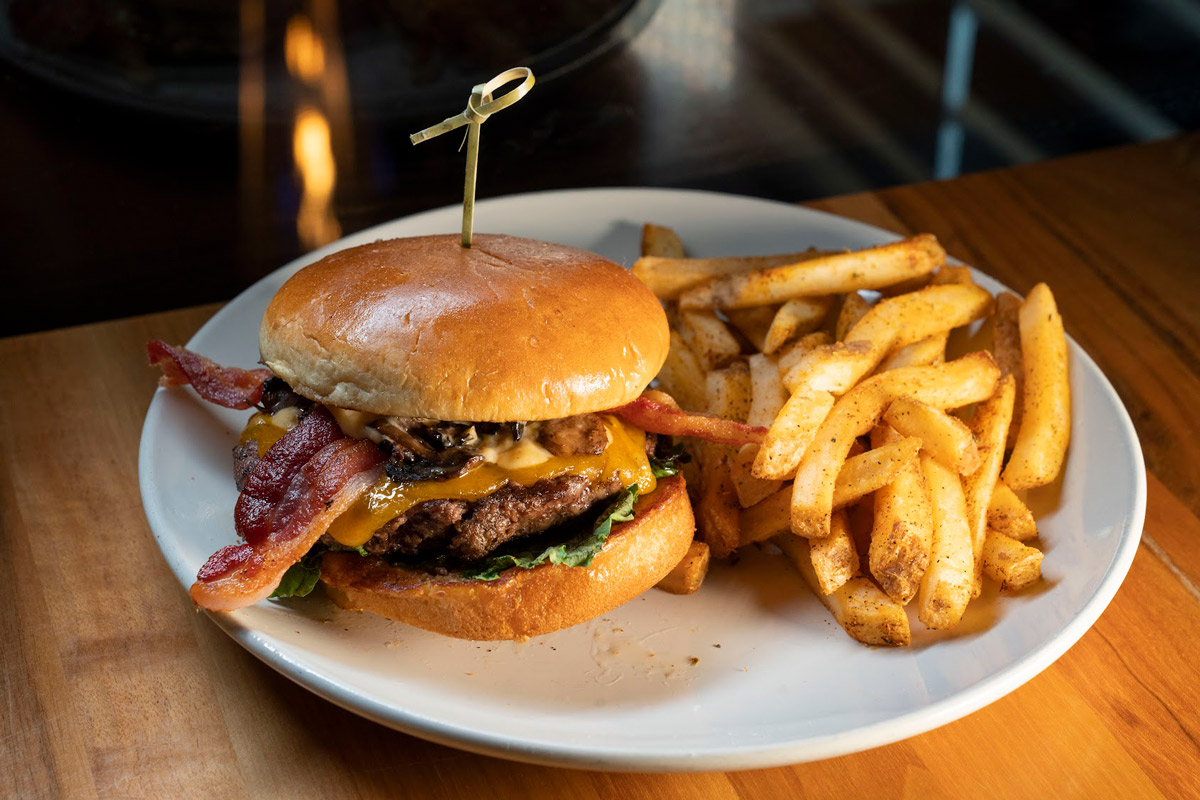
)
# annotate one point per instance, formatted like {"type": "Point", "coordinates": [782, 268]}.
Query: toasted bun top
{"type": "Point", "coordinates": [523, 603]}
{"type": "Point", "coordinates": [509, 329]}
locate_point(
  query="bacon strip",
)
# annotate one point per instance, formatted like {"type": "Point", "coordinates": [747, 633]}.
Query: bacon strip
{"type": "Point", "coordinates": [652, 412]}
{"type": "Point", "coordinates": [271, 476]}
{"type": "Point", "coordinates": [226, 386]}
{"type": "Point", "coordinates": [328, 483]}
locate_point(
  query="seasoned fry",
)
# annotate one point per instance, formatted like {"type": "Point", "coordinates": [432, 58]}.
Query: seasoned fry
{"type": "Point", "coordinates": [834, 558]}
{"type": "Point", "coordinates": [689, 573]}
{"type": "Point", "coordinates": [989, 426]}
{"type": "Point", "coordinates": [854, 308]}
{"type": "Point", "coordinates": [1046, 415]}
{"type": "Point", "coordinates": [790, 434]}
{"type": "Point", "coordinates": [1010, 563]}
{"type": "Point", "coordinates": [952, 273]}
{"type": "Point", "coordinates": [946, 438]}
{"type": "Point", "coordinates": [1008, 515]}
{"type": "Point", "coordinates": [717, 511]}
{"type": "Point", "coordinates": [709, 338]}
{"type": "Point", "coordinates": [956, 383]}
{"type": "Point", "coordinates": [841, 272]}
{"type": "Point", "coordinates": [874, 469]}
{"type": "Point", "coordinates": [797, 317]}
{"type": "Point", "coordinates": [661, 242]}
{"type": "Point", "coordinates": [902, 532]}
{"type": "Point", "coordinates": [949, 581]}
{"type": "Point", "coordinates": [795, 352]}
{"type": "Point", "coordinates": [892, 323]}
{"type": "Point", "coordinates": [750, 489]}
{"type": "Point", "coordinates": [1006, 342]}
{"type": "Point", "coordinates": [931, 350]}
{"type": "Point", "coordinates": [668, 277]}
{"type": "Point", "coordinates": [859, 606]}
{"type": "Point", "coordinates": [728, 391]}
{"type": "Point", "coordinates": [767, 398]}
{"type": "Point", "coordinates": [768, 394]}
{"type": "Point", "coordinates": [682, 375]}
{"type": "Point", "coordinates": [753, 323]}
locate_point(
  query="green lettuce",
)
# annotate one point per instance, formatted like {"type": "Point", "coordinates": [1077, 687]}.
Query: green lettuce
{"type": "Point", "coordinates": [301, 578]}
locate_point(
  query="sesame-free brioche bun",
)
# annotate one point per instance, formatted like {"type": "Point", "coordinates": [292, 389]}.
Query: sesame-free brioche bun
{"type": "Point", "coordinates": [509, 329]}
{"type": "Point", "coordinates": [523, 603]}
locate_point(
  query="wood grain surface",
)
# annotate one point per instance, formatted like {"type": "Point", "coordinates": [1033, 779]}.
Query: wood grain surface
{"type": "Point", "coordinates": [114, 687]}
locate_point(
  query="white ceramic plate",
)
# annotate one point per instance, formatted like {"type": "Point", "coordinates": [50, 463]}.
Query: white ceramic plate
{"type": "Point", "coordinates": [749, 672]}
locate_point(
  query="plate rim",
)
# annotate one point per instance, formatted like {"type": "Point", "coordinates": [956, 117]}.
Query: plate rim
{"type": "Point", "coordinates": [746, 756]}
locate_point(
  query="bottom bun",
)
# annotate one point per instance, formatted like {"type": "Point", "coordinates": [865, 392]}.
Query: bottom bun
{"type": "Point", "coordinates": [522, 603]}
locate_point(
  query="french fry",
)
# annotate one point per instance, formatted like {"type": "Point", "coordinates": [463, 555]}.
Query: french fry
{"type": "Point", "coordinates": [859, 606]}
{"type": "Point", "coordinates": [862, 474]}
{"type": "Point", "coordinates": [931, 350]}
{"type": "Point", "coordinates": [854, 307]}
{"type": "Point", "coordinates": [797, 317]}
{"type": "Point", "coordinates": [767, 398]}
{"type": "Point", "coordinates": [766, 518]}
{"type": "Point", "coordinates": [902, 533]}
{"type": "Point", "coordinates": [989, 427]}
{"type": "Point", "coordinates": [790, 434]}
{"type": "Point", "coordinates": [687, 576]}
{"type": "Point", "coordinates": [952, 273]}
{"type": "Point", "coordinates": [946, 438]}
{"type": "Point", "coordinates": [661, 242]}
{"type": "Point", "coordinates": [1006, 343]}
{"type": "Point", "coordinates": [668, 277]}
{"type": "Point", "coordinates": [794, 352]}
{"type": "Point", "coordinates": [753, 323]}
{"type": "Point", "coordinates": [834, 558]}
{"type": "Point", "coordinates": [750, 489]}
{"type": "Point", "coordinates": [956, 383]}
{"type": "Point", "coordinates": [682, 375]}
{"type": "Point", "coordinates": [767, 392]}
{"type": "Point", "coordinates": [728, 391]}
{"type": "Point", "coordinates": [1010, 563]}
{"type": "Point", "coordinates": [892, 323]}
{"type": "Point", "coordinates": [842, 272]}
{"type": "Point", "coordinates": [709, 338]}
{"type": "Point", "coordinates": [949, 581]}
{"type": "Point", "coordinates": [1008, 515]}
{"type": "Point", "coordinates": [1045, 428]}
{"type": "Point", "coordinates": [717, 511]}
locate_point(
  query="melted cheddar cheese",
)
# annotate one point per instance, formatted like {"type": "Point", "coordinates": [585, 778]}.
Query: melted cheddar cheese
{"type": "Point", "coordinates": [525, 463]}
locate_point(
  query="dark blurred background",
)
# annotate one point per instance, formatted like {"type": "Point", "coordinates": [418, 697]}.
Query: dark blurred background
{"type": "Point", "coordinates": [164, 153]}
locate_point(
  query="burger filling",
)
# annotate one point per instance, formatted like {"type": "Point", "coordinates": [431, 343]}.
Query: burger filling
{"type": "Point", "coordinates": [457, 492]}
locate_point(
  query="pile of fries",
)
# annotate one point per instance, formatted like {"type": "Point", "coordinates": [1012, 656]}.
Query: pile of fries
{"type": "Point", "coordinates": [882, 472]}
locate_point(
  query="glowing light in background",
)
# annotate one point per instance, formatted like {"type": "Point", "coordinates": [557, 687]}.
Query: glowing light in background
{"type": "Point", "coordinates": [312, 143]}
{"type": "Point", "coordinates": [303, 50]}
{"type": "Point", "coordinates": [313, 152]}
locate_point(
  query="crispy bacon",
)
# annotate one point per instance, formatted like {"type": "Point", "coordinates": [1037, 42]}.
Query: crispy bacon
{"type": "Point", "coordinates": [328, 483]}
{"type": "Point", "coordinates": [226, 386]}
{"type": "Point", "coordinates": [656, 413]}
{"type": "Point", "coordinates": [271, 476]}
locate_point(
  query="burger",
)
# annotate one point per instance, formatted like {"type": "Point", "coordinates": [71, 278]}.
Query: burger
{"type": "Point", "coordinates": [455, 438]}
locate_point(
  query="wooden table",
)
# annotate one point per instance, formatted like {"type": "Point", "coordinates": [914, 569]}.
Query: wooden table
{"type": "Point", "coordinates": [115, 687]}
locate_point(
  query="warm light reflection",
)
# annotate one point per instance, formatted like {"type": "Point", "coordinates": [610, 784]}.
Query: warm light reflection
{"type": "Point", "coordinates": [313, 153]}
{"type": "Point", "coordinates": [303, 50]}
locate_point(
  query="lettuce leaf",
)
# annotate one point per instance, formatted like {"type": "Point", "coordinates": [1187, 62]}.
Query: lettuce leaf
{"type": "Point", "coordinates": [577, 552]}
{"type": "Point", "coordinates": [667, 464]}
{"type": "Point", "coordinates": [301, 578]}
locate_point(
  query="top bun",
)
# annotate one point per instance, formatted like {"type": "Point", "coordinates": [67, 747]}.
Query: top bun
{"type": "Point", "coordinates": [509, 329]}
